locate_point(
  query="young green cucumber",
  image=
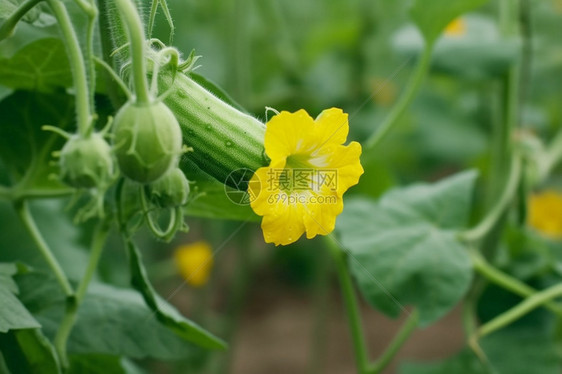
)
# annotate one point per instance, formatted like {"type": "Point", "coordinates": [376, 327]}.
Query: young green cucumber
{"type": "Point", "coordinates": [225, 141]}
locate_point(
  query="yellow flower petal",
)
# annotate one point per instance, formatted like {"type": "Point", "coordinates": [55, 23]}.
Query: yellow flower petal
{"type": "Point", "coordinates": [194, 262]}
{"type": "Point", "coordinates": [331, 127]}
{"type": "Point", "coordinates": [457, 27]}
{"type": "Point", "coordinates": [284, 224]}
{"type": "Point", "coordinates": [320, 217]}
{"type": "Point", "coordinates": [346, 160]}
{"type": "Point", "coordinates": [545, 213]}
{"type": "Point", "coordinates": [283, 135]}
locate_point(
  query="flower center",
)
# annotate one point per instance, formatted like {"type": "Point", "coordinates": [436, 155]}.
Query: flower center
{"type": "Point", "coordinates": [299, 161]}
{"type": "Point", "coordinates": [297, 176]}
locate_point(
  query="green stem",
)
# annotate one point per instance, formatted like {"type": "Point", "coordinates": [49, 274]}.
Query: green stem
{"type": "Point", "coordinates": [76, 60]}
{"type": "Point", "coordinates": [405, 100]}
{"type": "Point", "coordinates": [553, 153]}
{"type": "Point", "coordinates": [23, 211]}
{"type": "Point", "coordinates": [468, 314]}
{"type": "Point", "coordinates": [9, 25]}
{"type": "Point", "coordinates": [351, 306]}
{"type": "Point", "coordinates": [92, 12]}
{"type": "Point", "coordinates": [98, 243]}
{"type": "Point", "coordinates": [152, 16]}
{"type": "Point", "coordinates": [489, 221]}
{"type": "Point", "coordinates": [64, 329]}
{"type": "Point", "coordinates": [409, 326]}
{"type": "Point", "coordinates": [73, 303]}
{"type": "Point", "coordinates": [137, 42]}
{"type": "Point", "coordinates": [518, 311]}
{"type": "Point", "coordinates": [504, 280]}
{"type": "Point", "coordinates": [509, 102]}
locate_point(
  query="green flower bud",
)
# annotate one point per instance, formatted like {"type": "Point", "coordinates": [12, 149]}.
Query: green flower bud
{"type": "Point", "coordinates": [171, 190]}
{"type": "Point", "coordinates": [86, 162]}
{"type": "Point", "coordinates": [147, 141]}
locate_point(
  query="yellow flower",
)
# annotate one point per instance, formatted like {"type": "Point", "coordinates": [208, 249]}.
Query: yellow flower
{"type": "Point", "coordinates": [545, 213]}
{"type": "Point", "coordinates": [301, 190]}
{"type": "Point", "coordinates": [194, 262]}
{"type": "Point", "coordinates": [457, 27]}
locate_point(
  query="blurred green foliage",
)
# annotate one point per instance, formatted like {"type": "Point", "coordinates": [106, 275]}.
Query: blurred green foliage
{"type": "Point", "coordinates": [313, 54]}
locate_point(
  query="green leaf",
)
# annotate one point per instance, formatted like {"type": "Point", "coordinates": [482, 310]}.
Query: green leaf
{"type": "Point", "coordinates": [39, 66]}
{"type": "Point", "coordinates": [94, 364]}
{"type": "Point", "coordinates": [13, 314]}
{"type": "Point", "coordinates": [111, 321]}
{"type": "Point", "coordinates": [106, 364]}
{"type": "Point", "coordinates": [29, 351]}
{"type": "Point", "coordinates": [530, 351]}
{"type": "Point", "coordinates": [509, 351]}
{"type": "Point", "coordinates": [25, 149]}
{"type": "Point", "coordinates": [404, 248]}
{"type": "Point", "coordinates": [165, 313]}
{"type": "Point", "coordinates": [7, 7]}
{"type": "Point", "coordinates": [463, 363]}
{"type": "Point", "coordinates": [432, 16]}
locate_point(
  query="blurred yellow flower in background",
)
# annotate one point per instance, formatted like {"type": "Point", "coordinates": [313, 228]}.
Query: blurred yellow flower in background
{"type": "Point", "coordinates": [194, 262]}
{"type": "Point", "coordinates": [384, 91]}
{"type": "Point", "coordinates": [545, 213]}
{"type": "Point", "coordinates": [557, 5]}
{"type": "Point", "coordinates": [457, 27]}
{"type": "Point", "coordinates": [302, 188]}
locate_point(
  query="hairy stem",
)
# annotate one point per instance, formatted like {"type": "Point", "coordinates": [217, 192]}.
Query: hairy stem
{"type": "Point", "coordinates": [76, 60]}
{"type": "Point", "coordinates": [92, 12]}
{"type": "Point", "coordinates": [135, 31]}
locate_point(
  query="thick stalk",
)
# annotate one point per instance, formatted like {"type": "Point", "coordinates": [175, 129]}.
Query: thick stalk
{"type": "Point", "coordinates": [351, 306]}
{"type": "Point", "coordinates": [405, 100]}
{"type": "Point", "coordinates": [137, 42]}
{"type": "Point", "coordinates": [9, 25]}
{"type": "Point", "coordinates": [518, 311]}
{"type": "Point", "coordinates": [490, 220]}
{"type": "Point", "coordinates": [76, 60]}
{"type": "Point", "coordinates": [26, 218]}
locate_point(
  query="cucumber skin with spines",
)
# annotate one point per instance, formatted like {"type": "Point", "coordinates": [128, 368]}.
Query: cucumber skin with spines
{"type": "Point", "coordinates": [225, 141]}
